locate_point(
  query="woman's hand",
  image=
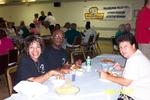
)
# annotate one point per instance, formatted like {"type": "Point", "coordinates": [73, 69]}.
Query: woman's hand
{"type": "Point", "coordinates": [65, 70]}
{"type": "Point", "coordinates": [66, 66]}
{"type": "Point", "coordinates": [55, 73]}
{"type": "Point", "coordinates": [46, 76]}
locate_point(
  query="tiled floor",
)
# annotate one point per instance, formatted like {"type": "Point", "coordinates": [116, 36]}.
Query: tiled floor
{"type": "Point", "coordinates": [105, 45]}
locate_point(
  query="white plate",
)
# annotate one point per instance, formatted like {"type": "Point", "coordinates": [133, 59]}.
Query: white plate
{"type": "Point", "coordinates": [57, 82]}
{"type": "Point", "coordinates": [104, 80]}
{"type": "Point", "coordinates": [67, 90]}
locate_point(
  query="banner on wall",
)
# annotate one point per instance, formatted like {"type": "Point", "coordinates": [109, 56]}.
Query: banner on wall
{"type": "Point", "coordinates": [93, 13]}
{"type": "Point", "coordinates": [116, 12]}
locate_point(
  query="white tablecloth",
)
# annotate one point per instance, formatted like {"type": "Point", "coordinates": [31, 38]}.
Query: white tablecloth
{"type": "Point", "coordinates": [91, 87]}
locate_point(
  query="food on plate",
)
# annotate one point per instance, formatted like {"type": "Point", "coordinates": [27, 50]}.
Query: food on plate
{"type": "Point", "coordinates": [112, 73]}
{"type": "Point", "coordinates": [116, 74]}
{"type": "Point", "coordinates": [74, 67]}
{"type": "Point", "coordinates": [107, 61]}
{"type": "Point", "coordinates": [67, 90]}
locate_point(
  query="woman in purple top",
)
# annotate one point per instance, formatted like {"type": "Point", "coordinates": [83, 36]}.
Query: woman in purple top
{"type": "Point", "coordinates": [6, 43]}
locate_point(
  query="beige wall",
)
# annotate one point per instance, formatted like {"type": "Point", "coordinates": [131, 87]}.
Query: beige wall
{"type": "Point", "coordinates": [69, 11]}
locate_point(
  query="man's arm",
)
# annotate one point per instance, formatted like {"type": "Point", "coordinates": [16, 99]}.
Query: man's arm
{"type": "Point", "coordinates": [46, 76]}
{"type": "Point", "coordinates": [120, 80]}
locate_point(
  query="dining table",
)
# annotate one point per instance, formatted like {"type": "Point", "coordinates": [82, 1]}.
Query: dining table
{"type": "Point", "coordinates": [91, 86]}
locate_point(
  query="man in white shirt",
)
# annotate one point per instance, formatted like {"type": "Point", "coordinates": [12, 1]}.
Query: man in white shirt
{"type": "Point", "coordinates": [50, 18]}
{"type": "Point", "coordinates": [52, 21]}
{"type": "Point", "coordinates": [136, 75]}
{"type": "Point", "coordinates": [88, 32]}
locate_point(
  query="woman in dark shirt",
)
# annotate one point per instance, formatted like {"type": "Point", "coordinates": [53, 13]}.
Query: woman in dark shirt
{"type": "Point", "coordinates": [32, 66]}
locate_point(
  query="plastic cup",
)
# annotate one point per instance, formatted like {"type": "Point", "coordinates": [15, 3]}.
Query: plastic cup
{"type": "Point", "coordinates": [73, 77]}
{"type": "Point", "coordinates": [99, 73]}
{"type": "Point", "coordinates": [99, 68]}
{"type": "Point", "coordinates": [73, 74]}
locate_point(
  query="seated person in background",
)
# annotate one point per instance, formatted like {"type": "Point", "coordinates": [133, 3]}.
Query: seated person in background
{"type": "Point", "coordinates": [44, 30]}
{"type": "Point", "coordinates": [23, 30]}
{"type": "Point", "coordinates": [121, 30]}
{"type": "Point", "coordinates": [36, 21]}
{"type": "Point", "coordinates": [33, 29]}
{"type": "Point", "coordinates": [10, 30]}
{"type": "Point", "coordinates": [128, 28]}
{"type": "Point", "coordinates": [66, 27]}
{"type": "Point", "coordinates": [57, 27]}
{"type": "Point", "coordinates": [6, 43]}
{"type": "Point", "coordinates": [89, 31]}
{"type": "Point", "coordinates": [71, 34]}
{"type": "Point", "coordinates": [135, 79]}
{"type": "Point", "coordinates": [32, 66]}
{"type": "Point", "coordinates": [52, 21]}
{"type": "Point", "coordinates": [42, 17]}
{"type": "Point", "coordinates": [55, 55]}
{"type": "Point", "coordinates": [14, 27]}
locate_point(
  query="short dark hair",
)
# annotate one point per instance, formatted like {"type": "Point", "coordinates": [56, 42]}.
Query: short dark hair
{"type": "Point", "coordinates": [32, 25]}
{"type": "Point", "coordinates": [30, 39]}
{"type": "Point", "coordinates": [73, 26]}
{"type": "Point", "coordinates": [88, 25]}
{"type": "Point", "coordinates": [2, 34]}
{"type": "Point", "coordinates": [36, 15]}
{"type": "Point", "coordinates": [49, 13]}
{"type": "Point", "coordinates": [145, 2]}
{"type": "Point", "coordinates": [2, 23]}
{"type": "Point", "coordinates": [57, 32]}
{"type": "Point", "coordinates": [127, 37]}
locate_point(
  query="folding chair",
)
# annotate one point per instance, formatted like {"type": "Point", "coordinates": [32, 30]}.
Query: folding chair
{"type": "Point", "coordinates": [11, 74]}
{"type": "Point", "coordinates": [76, 47]}
{"type": "Point", "coordinates": [96, 44]}
{"type": "Point", "coordinates": [3, 67]}
{"type": "Point", "coordinates": [12, 57]}
{"type": "Point", "coordinates": [89, 47]}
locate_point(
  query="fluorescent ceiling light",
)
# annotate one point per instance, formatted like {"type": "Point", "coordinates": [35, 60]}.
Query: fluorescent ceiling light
{"type": "Point", "coordinates": [2, 2]}
{"type": "Point", "coordinates": [28, 0]}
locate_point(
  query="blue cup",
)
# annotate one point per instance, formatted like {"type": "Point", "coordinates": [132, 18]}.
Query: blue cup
{"type": "Point", "coordinates": [73, 77]}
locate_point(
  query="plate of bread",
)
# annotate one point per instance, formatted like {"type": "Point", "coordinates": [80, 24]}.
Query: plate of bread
{"type": "Point", "coordinates": [67, 89]}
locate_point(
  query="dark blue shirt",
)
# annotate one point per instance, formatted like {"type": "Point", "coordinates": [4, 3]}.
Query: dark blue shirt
{"type": "Point", "coordinates": [71, 34]}
{"type": "Point", "coordinates": [28, 68]}
{"type": "Point", "coordinates": [55, 58]}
